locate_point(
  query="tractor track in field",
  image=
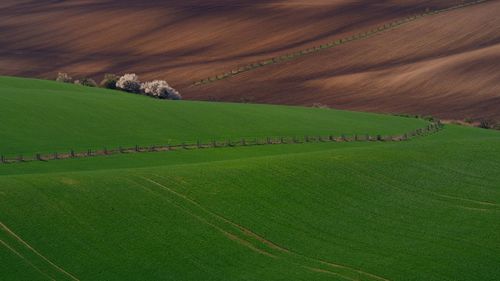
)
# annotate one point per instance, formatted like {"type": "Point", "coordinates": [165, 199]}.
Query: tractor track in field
{"type": "Point", "coordinates": [296, 258]}
{"type": "Point", "coordinates": [305, 52]}
{"type": "Point", "coordinates": [482, 204]}
{"type": "Point", "coordinates": [29, 247]}
{"type": "Point", "coordinates": [25, 259]}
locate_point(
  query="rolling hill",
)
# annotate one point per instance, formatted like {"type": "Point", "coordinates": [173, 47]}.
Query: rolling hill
{"type": "Point", "coordinates": [442, 65]}
{"type": "Point", "coordinates": [46, 116]}
{"type": "Point", "coordinates": [423, 209]}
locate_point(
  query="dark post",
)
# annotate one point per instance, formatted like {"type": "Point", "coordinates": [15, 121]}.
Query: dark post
{"type": "Point", "coordinates": [136, 148]}
{"type": "Point", "coordinates": [72, 153]}
{"type": "Point", "coordinates": [198, 144]}
{"type": "Point", "coordinates": [56, 156]}
{"type": "Point", "coordinates": [38, 157]}
{"type": "Point", "coordinates": [214, 143]}
{"type": "Point", "coordinates": [379, 138]}
{"type": "Point", "coordinates": [268, 140]}
{"type": "Point", "coordinates": [243, 142]}
{"type": "Point", "coordinates": [2, 159]}
{"type": "Point", "coordinates": [20, 158]}
{"type": "Point", "coordinates": [105, 151]}
{"type": "Point", "coordinates": [184, 145]}
{"type": "Point", "coordinates": [282, 140]}
{"type": "Point", "coordinates": [89, 152]}
{"type": "Point", "coordinates": [120, 149]}
{"type": "Point", "coordinates": [356, 137]}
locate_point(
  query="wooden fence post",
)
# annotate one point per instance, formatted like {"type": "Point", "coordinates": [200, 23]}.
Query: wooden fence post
{"type": "Point", "coordinates": [38, 157]}
{"type": "Point", "coordinates": [136, 148]}
{"type": "Point", "coordinates": [72, 153]}
{"type": "Point", "coordinates": [89, 152]}
{"type": "Point", "coordinates": [198, 144]}
{"type": "Point", "coordinates": [214, 143]}
{"type": "Point", "coordinates": [2, 159]}
{"type": "Point", "coordinates": [56, 156]}
{"type": "Point", "coordinates": [379, 138]}
{"type": "Point", "coordinates": [268, 140]}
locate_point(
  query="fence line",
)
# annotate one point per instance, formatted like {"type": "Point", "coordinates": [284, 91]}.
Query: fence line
{"type": "Point", "coordinates": [332, 44]}
{"type": "Point", "coordinates": [72, 154]}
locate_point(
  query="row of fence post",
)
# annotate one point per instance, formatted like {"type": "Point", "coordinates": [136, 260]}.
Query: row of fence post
{"type": "Point", "coordinates": [227, 143]}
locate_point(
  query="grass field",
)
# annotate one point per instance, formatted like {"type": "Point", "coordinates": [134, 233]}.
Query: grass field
{"type": "Point", "coordinates": [62, 117]}
{"type": "Point", "coordinates": [425, 209]}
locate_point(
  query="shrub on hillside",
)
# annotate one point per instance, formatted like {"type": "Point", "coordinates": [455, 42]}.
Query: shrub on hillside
{"type": "Point", "coordinates": [109, 81]}
{"type": "Point", "coordinates": [160, 89]}
{"type": "Point", "coordinates": [129, 83]}
{"type": "Point", "coordinates": [486, 124]}
{"type": "Point", "coordinates": [64, 78]}
{"type": "Point", "coordinates": [88, 82]}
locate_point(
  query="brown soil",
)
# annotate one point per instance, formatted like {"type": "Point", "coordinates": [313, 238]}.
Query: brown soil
{"type": "Point", "coordinates": [445, 65]}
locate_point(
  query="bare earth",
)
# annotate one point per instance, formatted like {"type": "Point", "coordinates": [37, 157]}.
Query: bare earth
{"type": "Point", "coordinates": [445, 65]}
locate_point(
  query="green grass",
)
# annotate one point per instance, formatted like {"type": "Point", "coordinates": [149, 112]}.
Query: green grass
{"type": "Point", "coordinates": [425, 209]}
{"type": "Point", "coordinates": [45, 116]}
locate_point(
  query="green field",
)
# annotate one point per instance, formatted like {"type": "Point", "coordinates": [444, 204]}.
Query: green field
{"type": "Point", "coordinates": [45, 116]}
{"type": "Point", "coordinates": [424, 209]}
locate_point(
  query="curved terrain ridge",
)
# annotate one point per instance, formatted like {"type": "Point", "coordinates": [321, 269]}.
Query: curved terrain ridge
{"type": "Point", "coordinates": [425, 209]}
{"type": "Point", "coordinates": [443, 65]}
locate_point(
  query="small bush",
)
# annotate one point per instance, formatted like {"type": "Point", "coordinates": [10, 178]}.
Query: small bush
{"type": "Point", "coordinates": [486, 124]}
{"type": "Point", "coordinates": [320, 105]}
{"type": "Point", "coordinates": [129, 83]}
{"type": "Point", "coordinates": [64, 78]}
{"type": "Point", "coordinates": [160, 89]}
{"type": "Point", "coordinates": [429, 118]}
{"type": "Point", "coordinates": [469, 120]}
{"type": "Point", "coordinates": [87, 82]}
{"type": "Point", "coordinates": [109, 81]}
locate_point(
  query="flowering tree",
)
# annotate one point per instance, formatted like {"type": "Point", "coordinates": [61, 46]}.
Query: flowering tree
{"type": "Point", "coordinates": [129, 83]}
{"type": "Point", "coordinates": [64, 77]}
{"type": "Point", "coordinates": [160, 89]}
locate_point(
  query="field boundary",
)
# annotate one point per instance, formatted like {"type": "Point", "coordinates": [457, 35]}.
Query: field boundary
{"type": "Point", "coordinates": [331, 44]}
{"type": "Point", "coordinates": [431, 128]}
